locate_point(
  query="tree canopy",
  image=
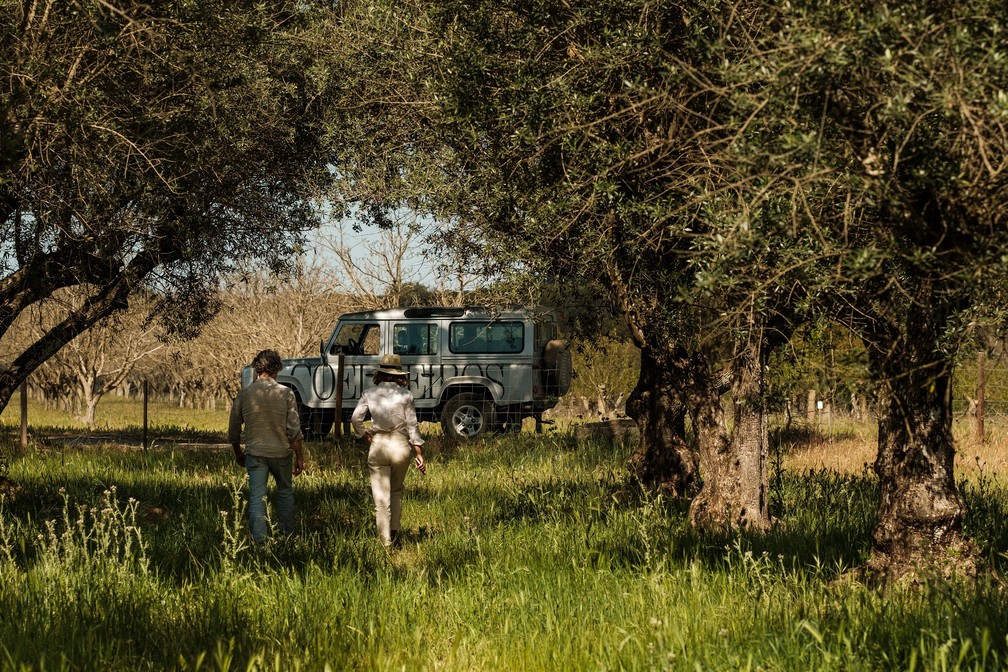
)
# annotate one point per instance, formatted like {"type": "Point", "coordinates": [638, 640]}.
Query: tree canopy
{"type": "Point", "coordinates": [729, 170]}
{"type": "Point", "coordinates": [151, 148]}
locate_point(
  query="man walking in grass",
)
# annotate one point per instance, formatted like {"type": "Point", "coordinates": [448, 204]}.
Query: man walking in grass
{"type": "Point", "coordinates": [269, 413]}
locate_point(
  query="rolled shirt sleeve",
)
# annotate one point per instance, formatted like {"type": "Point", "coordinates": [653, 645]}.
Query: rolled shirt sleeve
{"type": "Point", "coordinates": [360, 412]}
{"type": "Point", "coordinates": [293, 417]}
{"type": "Point", "coordinates": [235, 422]}
{"type": "Point", "coordinates": [411, 423]}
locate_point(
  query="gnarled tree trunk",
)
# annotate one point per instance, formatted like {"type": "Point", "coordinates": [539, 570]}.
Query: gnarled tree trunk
{"type": "Point", "coordinates": [920, 509]}
{"type": "Point", "coordinates": [663, 458]}
{"type": "Point", "coordinates": [733, 465]}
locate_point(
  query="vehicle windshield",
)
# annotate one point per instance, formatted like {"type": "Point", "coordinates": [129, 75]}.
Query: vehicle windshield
{"type": "Point", "coordinates": [357, 338]}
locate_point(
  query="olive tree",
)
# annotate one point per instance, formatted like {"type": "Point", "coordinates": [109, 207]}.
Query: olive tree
{"type": "Point", "coordinates": [906, 105]}
{"type": "Point", "coordinates": [592, 145]}
{"type": "Point", "coordinates": [727, 171]}
{"type": "Point", "coordinates": [603, 148]}
{"type": "Point", "coordinates": [152, 147]}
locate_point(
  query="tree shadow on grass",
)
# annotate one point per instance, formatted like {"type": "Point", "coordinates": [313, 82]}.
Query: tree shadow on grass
{"type": "Point", "coordinates": [184, 502]}
{"type": "Point", "coordinates": [825, 523]}
{"type": "Point", "coordinates": [823, 519]}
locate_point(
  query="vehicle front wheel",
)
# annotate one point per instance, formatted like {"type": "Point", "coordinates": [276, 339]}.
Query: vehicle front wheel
{"type": "Point", "coordinates": [315, 422]}
{"type": "Point", "coordinates": [466, 417]}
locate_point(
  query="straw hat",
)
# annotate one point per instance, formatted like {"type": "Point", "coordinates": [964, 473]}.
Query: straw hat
{"type": "Point", "coordinates": [391, 365]}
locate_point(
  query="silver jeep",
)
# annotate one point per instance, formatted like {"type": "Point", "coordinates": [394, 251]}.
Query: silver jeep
{"type": "Point", "coordinates": [472, 369]}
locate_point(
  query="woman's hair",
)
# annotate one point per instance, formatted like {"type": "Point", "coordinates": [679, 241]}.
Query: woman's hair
{"type": "Point", "coordinates": [267, 361]}
{"type": "Point", "coordinates": [385, 376]}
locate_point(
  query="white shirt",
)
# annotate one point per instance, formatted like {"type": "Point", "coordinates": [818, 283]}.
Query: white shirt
{"type": "Point", "coordinates": [392, 410]}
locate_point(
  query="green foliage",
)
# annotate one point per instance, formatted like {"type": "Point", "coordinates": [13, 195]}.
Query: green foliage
{"type": "Point", "coordinates": [823, 357]}
{"type": "Point", "coordinates": [535, 552]}
{"type": "Point", "coordinates": [154, 148]}
{"type": "Point", "coordinates": [895, 104]}
{"type": "Point", "coordinates": [712, 161]}
{"type": "Point", "coordinates": [604, 361]}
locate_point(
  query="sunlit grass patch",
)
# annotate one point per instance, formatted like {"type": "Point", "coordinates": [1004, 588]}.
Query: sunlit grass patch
{"type": "Point", "coordinates": [120, 415]}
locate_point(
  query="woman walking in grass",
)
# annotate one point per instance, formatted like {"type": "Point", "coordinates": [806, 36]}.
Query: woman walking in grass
{"type": "Point", "coordinates": [393, 430]}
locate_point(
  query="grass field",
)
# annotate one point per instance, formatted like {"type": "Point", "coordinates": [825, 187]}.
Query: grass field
{"type": "Point", "coordinates": [532, 552]}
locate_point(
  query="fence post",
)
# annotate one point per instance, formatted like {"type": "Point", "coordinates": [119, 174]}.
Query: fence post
{"type": "Point", "coordinates": [338, 421]}
{"type": "Point", "coordinates": [24, 414]}
{"type": "Point", "coordinates": [981, 384]}
{"type": "Point", "coordinates": [145, 414]}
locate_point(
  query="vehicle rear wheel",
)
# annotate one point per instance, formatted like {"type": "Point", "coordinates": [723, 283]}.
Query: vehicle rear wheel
{"type": "Point", "coordinates": [304, 416]}
{"type": "Point", "coordinates": [467, 416]}
{"type": "Point", "coordinates": [321, 421]}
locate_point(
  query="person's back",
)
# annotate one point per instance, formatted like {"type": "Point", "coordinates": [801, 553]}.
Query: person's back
{"type": "Point", "coordinates": [391, 408]}
{"type": "Point", "coordinates": [393, 429]}
{"type": "Point", "coordinates": [265, 409]}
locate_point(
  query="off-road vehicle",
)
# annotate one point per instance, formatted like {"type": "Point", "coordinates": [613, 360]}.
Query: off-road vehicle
{"type": "Point", "coordinates": [472, 369]}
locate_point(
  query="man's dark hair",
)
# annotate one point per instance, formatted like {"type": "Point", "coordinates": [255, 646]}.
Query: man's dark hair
{"type": "Point", "coordinates": [267, 361]}
{"type": "Point", "coordinates": [385, 376]}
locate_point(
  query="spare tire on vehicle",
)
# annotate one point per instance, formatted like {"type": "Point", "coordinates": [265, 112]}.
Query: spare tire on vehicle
{"type": "Point", "coordinates": [558, 369]}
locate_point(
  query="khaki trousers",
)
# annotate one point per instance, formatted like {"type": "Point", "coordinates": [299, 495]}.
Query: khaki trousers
{"type": "Point", "coordinates": [388, 461]}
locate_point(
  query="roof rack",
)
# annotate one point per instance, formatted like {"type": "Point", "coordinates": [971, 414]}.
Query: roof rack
{"type": "Point", "coordinates": [434, 312]}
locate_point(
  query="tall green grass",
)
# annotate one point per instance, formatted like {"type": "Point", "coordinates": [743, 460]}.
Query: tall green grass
{"type": "Point", "coordinates": [533, 552]}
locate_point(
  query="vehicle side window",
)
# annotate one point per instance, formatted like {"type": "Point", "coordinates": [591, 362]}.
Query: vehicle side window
{"type": "Point", "coordinates": [372, 340]}
{"type": "Point", "coordinates": [486, 337]}
{"type": "Point", "coordinates": [357, 338]}
{"type": "Point", "coordinates": [415, 339]}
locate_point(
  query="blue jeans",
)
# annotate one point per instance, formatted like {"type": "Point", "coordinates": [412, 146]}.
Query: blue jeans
{"type": "Point", "coordinates": [259, 469]}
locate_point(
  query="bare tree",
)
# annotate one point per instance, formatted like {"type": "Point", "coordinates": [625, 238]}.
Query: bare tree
{"type": "Point", "coordinates": [393, 264]}
{"type": "Point", "coordinates": [104, 357]}
{"type": "Point", "coordinates": [291, 315]}
{"type": "Point", "coordinates": [94, 363]}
